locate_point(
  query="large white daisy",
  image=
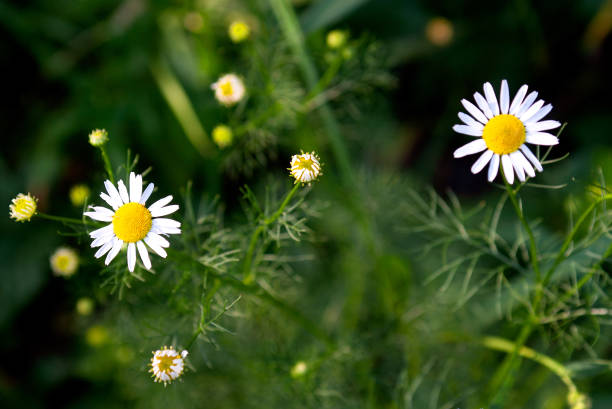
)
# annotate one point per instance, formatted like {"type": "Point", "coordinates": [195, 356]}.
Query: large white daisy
{"type": "Point", "coordinates": [132, 223]}
{"type": "Point", "coordinates": [503, 128]}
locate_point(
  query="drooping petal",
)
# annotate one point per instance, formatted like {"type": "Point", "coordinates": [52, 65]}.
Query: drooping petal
{"type": "Point", "coordinates": [112, 202]}
{"type": "Point", "coordinates": [104, 249]}
{"type": "Point", "coordinates": [476, 146]}
{"type": "Point", "coordinates": [493, 167]}
{"type": "Point", "coordinates": [113, 192]}
{"type": "Point", "coordinates": [517, 165]}
{"type": "Point", "coordinates": [517, 157]}
{"type": "Point", "coordinates": [482, 161]}
{"type": "Point", "coordinates": [114, 251]}
{"type": "Point", "coordinates": [131, 256]}
{"type": "Point", "coordinates": [508, 168]}
{"type": "Point", "coordinates": [155, 246]}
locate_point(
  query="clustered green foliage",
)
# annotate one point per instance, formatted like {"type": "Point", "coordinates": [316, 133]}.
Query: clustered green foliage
{"type": "Point", "coordinates": [365, 289]}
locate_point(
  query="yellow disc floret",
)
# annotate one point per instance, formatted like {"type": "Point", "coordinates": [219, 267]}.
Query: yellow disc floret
{"type": "Point", "coordinates": [226, 88]}
{"type": "Point", "coordinates": [132, 222]}
{"type": "Point", "coordinates": [504, 134]}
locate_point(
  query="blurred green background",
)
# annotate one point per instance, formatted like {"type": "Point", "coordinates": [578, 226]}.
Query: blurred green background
{"type": "Point", "coordinates": [70, 66]}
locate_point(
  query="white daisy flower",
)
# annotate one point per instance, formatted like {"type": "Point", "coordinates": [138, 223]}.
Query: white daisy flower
{"type": "Point", "coordinates": [167, 365]}
{"type": "Point", "coordinates": [503, 128]}
{"type": "Point", "coordinates": [64, 262]}
{"type": "Point", "coordinates": [23, 207]}
{"type": "Point", "coordinates": [305, 167]}
{"type": "Point", "coordinates": [132, 222]}
{"type": "Point", "coordinates": [229, 89]}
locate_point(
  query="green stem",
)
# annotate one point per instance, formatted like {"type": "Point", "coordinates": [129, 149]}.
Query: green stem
{"type": "Point", "coordinates": [326, 79]}
{"type": "Point", "coordinates": [289, 24]}
{"type": "Point", "coordinates": [65, 219]}
{"type": "Point", "coordinates": [206, 300]}
{"type": "Point", "coordinates": [107, 164]}
{"type": "Point", "coordinates": [248, 274]}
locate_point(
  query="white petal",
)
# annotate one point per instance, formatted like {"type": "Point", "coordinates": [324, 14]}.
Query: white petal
{"type": "Point", "coordinates": [516, 102]}
{"type": "Point", "coordinates": [102, 250]}
{"type": "Point", "coordinates": [164, 211]}
{"type": "Point", "coordinates": [517, 165]}
{"type": "Point", "coordinates": [504, 97]}
{"type": "Point", "coordinates": [491, 98]}
{"type": "Point", "coordinates": [467, 130]}
{"type": "Point", "coordinates": [517, 157]}
{"type": "Point", "coordinates": [160, 203]}
{"type": "Point", "coordinates": [114, 251]}
{"type": "Point", "coordinates": [493, 167]}
{"type": "Point", "coordinates": [146, 194]}
{"type": "Point", "coordinates": [482, 161]}
{"type": "Point", "coordinates": [131, 256]}
{"type": "Point", "coordinates": [102, 210]}
{"type": "Point", "coordinates": [531, 111]}
{"type": "Point", "coordinates": [103, 217]}
{"type": "Point", "coordinates": [508, 169]}
{"type": "Point", "coordinates": [155, 246]}
{"type": "Point", "coordinates": [476, 146]}
{"type": "Point", "coordinates": [163, 222]}
{"type": "Point", "coordinates": [112, 203]}
{"type": "Point", "coordinates": [540, 114]}
{"type": "Point", "coordinates": [483, 105]}
{"type": "Point", "coordinates": [543, 125]}
{"type": "Point", "coordinates": [165, 230]}
{"type": "Point", "coordinates": [532, 158]}
{"type": "Point", "coordinates": [123, 192]}
{"type": "Point", "coordinates": [113, 192]}
{"type": "Point", "coordinates": [144, 254]}
{"type": "Point", "coordinates": [101, 232]}
{"type": "Point", "coordinates": [158, 239]}
{"type": "Point", "coordinates": [526, 103]}
{"type": "Point", "coordinates": [135, 187]}
{"type": "Point", "coordinates": [102, 240]}
{"type": "Point", "coordinates": [541, 138]}
{"type": "Point", "coordinates": [475, 112]}
{"type": "Point", "coordinates": [469, 121]}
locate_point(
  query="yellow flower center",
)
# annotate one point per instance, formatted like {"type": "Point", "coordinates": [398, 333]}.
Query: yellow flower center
{"type": "Point", "coordinates": [25, 206]}
{"type": "Point", "coordinates": [305, 163]}
{"type": "Point", "coordinates": [226, 88]}
{"type": "Point", "coordinates": [504, 134]}
{"type": "Point", "coordinates": [165, 362]}
{"type": "Point", "coordinates": [62, 263]}
{"type": "Point", "coordinates": [132, 222]}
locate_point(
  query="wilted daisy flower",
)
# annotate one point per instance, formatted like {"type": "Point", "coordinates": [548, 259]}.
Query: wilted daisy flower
{"type": "Point", "coordinates": [503, 128]}
{"type": "Point", "coordinates": [78, 194]}
{"type": "Point", "coordinates": [229, 89]}
{"type": "Point", "coordinates": [239, 31]}
{"type": "Point", "coordinates": [98, 137]}
{"type": "Point", "coordinates": [167, 365]}
{"type": "Point", "coordinates": [132, 222]}
{"type": "Point", "coordinates": [305, 167]}
{"type": "Point", "coordinates": [23, 207]}
{"type": "Point", "coordinates": [222, 135]}
{"type": "Point", "coordinates": [64, 262]}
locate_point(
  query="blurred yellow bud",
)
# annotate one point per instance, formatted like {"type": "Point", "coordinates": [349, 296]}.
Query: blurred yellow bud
{"type": "Point", "coordinates": [78, 194]}
{"type": "Point", "coordinates": [299, 369]}
{"type": "Point", "coordinates": [84, 306]}
{"type": "Point", "coordinates": [223, 136]}
{"type": "Point", "coordinates": [439, 31]}
{"type": "Point", "coordinates": [64, 262]}
{"type": "Point", "coordinates": [336, 38]}
{"type": "Point", "coordinates": [239, 31]}
{"type": "Point", "coordinates": [96, 336]}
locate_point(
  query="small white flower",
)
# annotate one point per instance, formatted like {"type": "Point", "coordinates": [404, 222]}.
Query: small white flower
{"type": "Point", "coordinates": [132, 223]}
{"type": "Point", "coordinates": [64, 262]}
{"type": "Point", "coordinates": [23, 207]}
{"type": "Point", "coordinates": [305, 167]}
{"type": "Point", "coordinates": [502, 129]}
{"type": "Point", "coordinates": [229, 89]}
{"type": "Point", "coordinates": [167, 365]}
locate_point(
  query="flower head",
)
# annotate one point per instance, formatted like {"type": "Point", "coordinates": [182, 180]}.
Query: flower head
{"type": "Point", "coordinates": [229, 89]}
{"type": "Point", "coordinates": [238, 31]}
{"type": "Point", "coordinates": [336, 39]}
{"type": "Point", "coordinates": [167, 365]}
{"type": "Point", "coordinates": [78, 194]}
{"type": "Point", "coordinates": [64, 262]}
{"type": "Point", "coordinates": [98, 137]}
{"type": "Point", "coordinates": [132, 222]}
{"type": "Point", "coordinates": [23, 207]}
{"type": "Point", "coordinates": [222, 135]}
{"type": "Point", "coordinates": [305, 167]}
{"type": "Point", "coordinates": [502, 129]}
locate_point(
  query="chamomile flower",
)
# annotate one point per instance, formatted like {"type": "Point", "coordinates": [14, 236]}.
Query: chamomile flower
{"type": "Point", "coordinates": [503, 128]}
{"type": "Point", "coordinates": [98, 137]}
{"type": "Point", "coordinates": [132, 222]}
{"type": "Point", "coordinates": [239, 31]}
{"type": "Point", "coordinates": [64, 262]}
{"type": "Point", "coordinates": [229, 89]}
{"type": "Point", "coordinates": [23, 207]}
{"type": "Point", "coordinates": [167, 365]}
{"type": "Point", "coordinates": [305, 167]}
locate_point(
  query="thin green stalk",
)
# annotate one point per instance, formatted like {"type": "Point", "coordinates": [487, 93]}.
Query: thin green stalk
{"type": "Point", "coordinates": [248, 275]}
{"type": "Point", "coordinates": [65, 219]}
{"type": "Point", "coordinates": [206, 300]}
{"type": "Point", "coordinates": [289, 24]}
{"type": "Point", "coordinates": [107, 164]}
{"type": "Point", "coordinates": [326, 79]}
